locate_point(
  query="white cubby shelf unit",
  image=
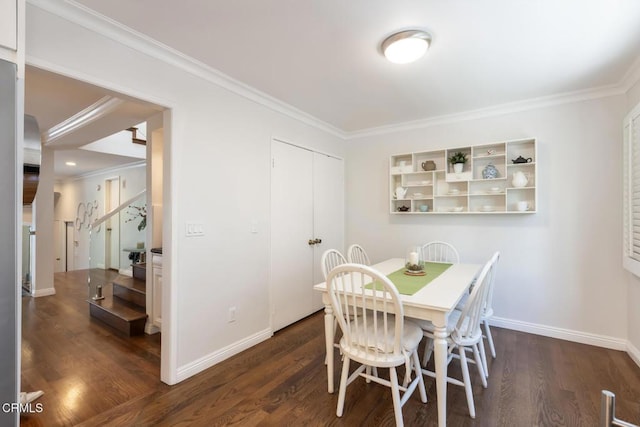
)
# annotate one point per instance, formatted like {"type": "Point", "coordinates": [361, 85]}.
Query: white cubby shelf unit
{"type": "Point", "coordinates": [442, 191]}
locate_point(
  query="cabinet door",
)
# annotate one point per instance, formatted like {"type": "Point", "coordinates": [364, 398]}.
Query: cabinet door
{"type": "Point", "coordinates": [8, 24]}
{"type": "Point", "coordinates": [157, 295]}
{"type": "Point", "coordinates": [291, 230]}
{"type": "Point", "coordinates": [328, 212]}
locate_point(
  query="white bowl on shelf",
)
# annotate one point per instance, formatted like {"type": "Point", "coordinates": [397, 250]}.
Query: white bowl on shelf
{"type": "Point", "coordinates": [457, 209]}
{"type": "Point", "coordinates": [454, 191]}
{"type": "Point", "coordinates": [495, 189]}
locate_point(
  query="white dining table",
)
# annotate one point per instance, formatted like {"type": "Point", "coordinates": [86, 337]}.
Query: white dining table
{"type": "Point", "coordinates": [433, 302]}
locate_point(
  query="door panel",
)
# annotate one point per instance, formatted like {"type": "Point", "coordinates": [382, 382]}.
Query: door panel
{"type": "Point", "coordinates": [59, 245]}
{"type": "Point", "coordinates": [328, 212]}
{"type": "Point", "coordinates": [291, 228]}
{"type": "Point", "coordinates": [70, 246]}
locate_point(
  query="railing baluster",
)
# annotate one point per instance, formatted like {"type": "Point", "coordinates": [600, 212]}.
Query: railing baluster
{"type": "Point", "coordinates": [608, 412]}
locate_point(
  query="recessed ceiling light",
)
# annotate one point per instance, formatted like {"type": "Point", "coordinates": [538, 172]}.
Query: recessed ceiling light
{"type": "Point", "coordinates": [406, 46]}
{"type": "Point", "coordinates": [70, 163]}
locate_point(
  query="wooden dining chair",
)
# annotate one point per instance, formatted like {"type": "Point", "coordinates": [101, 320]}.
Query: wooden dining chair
{"type": "Point", "coordinates": [357, 255]}
{"type": "Point", "coordinates": [374, 333]}
{"type": "Point", "coordinates": [437, 251]}
{"type": "Point", "coordinates": [464, 332]}
{"type": "Point", "coordinates": [330, 259]}
{"type": "Point", "coordinates": [487, 310]}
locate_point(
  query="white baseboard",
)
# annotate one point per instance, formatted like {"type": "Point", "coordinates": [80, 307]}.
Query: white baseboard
{"type": "Point", "coordinates": [211, 359]}
{"type": "Point", "coordinates": [101, 266]}
{"type": "Point", "coordinates": [563, 334]}
{"type": "Point", "coordinates": [150, 328]}
{"type": "Point", "coordinates": [43, 292]}
{"type": "Point", "coordinates": [633, 353]}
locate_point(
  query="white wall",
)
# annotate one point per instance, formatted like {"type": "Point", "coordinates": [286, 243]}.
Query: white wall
{"type": "Point", "coordinates": [219, 176]}
{"type": "Point", "coordinates": [560, 268]}
{"type": "Point", "coordinates": [85, 190]}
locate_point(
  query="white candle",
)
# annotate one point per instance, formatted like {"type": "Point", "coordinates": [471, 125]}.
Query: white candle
{"type": "Point", "coordinates": [413, 258]}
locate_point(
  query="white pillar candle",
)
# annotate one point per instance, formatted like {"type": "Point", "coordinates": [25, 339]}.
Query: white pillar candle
{"type": "Point", "coordinates": [413, 258]}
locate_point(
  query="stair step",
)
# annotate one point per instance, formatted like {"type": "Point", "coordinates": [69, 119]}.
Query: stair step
{"type": "Point", "coordinates": [119, 315]}
{"type": "Point", "coordinates": [130, 289]}
{"type": "Point", "coordinates": [140, 270]}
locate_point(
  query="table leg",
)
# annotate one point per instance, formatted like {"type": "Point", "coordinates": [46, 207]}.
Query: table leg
{"type": "Point", "coordinates": [329, 338]}
{"type": "Point", "coordinates": [440, 355]}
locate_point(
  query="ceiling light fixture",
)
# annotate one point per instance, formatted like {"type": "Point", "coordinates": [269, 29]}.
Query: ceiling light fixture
{"type": "Point", "coordinates": [406, 46]}
{"type": "Point", "coordinates": [70, 163]}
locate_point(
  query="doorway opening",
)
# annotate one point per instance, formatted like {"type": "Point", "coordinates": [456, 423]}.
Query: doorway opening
{"type": "Point", "coordinates": [98, 186]}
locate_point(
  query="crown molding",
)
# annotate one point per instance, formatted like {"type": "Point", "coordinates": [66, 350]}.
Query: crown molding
{"type": "Point", "coordinates": [632, 76]}
{"type": "Point", "coordinates": [93, 21]}
{"type": "Point", "coordinates": [93, 112]}
{"type": "Point", "coordinates": [496, 110]}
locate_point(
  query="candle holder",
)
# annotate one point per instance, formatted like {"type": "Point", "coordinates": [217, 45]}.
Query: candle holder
{"type": "Point", "coordinates": [414, 262]}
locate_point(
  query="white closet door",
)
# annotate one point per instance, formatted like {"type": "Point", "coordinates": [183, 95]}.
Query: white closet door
{"type": "Point", "coordinates": [291, 230]}
{"type": "Point", "coordinates": [328, 212]}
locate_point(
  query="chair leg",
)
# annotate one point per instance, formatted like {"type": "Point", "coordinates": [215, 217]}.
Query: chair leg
{"type": "Point", "coordinates": [428, 349]}
{"type": "Point", "coordinates": [479, 364]}
{"type": "Point", "coordinates": [395, 395]}
{"type": "Point", "coordinates": [467, 381]}
{"type": "Point", "coordinates": [483, 356]}
{"type": "Point", "coordinates": [487, 332]}
{"type": "Point", "coordinates": [343, 386]}
{"type": "Point", "coordinates": [418, 372]}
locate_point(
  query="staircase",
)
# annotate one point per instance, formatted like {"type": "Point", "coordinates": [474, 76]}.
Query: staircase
{"type": "Point", "coordinates": [124, 308]}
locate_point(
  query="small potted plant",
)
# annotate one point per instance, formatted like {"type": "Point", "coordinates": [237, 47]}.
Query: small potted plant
{"type": "Point", "coordinates": [458, 159]}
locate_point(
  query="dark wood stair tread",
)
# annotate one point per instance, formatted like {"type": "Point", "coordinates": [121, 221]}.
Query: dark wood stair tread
{"type": "Point", "coordinates": [119, 314]}
{"type": "Point", "coordinates": [119, 309]}
{"type": "Point", "coordinates": [132, 283]}
{"type": "Point", "coordinates": [139, 270]}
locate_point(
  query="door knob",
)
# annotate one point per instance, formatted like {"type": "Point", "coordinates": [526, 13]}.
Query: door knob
{"type": "Point", "coordinates": [312, 242]}
{"type": "Point", "coordinates": [317, 241]}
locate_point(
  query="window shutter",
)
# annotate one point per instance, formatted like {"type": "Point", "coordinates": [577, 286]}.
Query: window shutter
{"type": "Point", "coordinates": [631, 189]}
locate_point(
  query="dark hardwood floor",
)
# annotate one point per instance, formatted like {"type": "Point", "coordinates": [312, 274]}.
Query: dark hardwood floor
{"type": "Point", "coordinates": [92, 376]}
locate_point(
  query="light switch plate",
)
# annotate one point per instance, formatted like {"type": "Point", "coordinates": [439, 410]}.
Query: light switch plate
{"type": "Point", "coordinates": [194, 229]}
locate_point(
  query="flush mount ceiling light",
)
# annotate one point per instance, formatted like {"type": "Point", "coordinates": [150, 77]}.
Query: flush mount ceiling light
{"type": "Point", "coordinates": [406, 46]}
{"type": "Point", "coordinates": [70, 163]}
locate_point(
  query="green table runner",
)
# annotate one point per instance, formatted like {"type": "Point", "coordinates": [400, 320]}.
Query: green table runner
{"type": "Point", "coordinates": [409, 285]}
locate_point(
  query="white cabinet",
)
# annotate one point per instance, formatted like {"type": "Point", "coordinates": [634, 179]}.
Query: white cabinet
{"type": "Point", "coordinates": [496, 178]}
{"type": "Point", "coordinates": [9, 24]}
{"type": "Point", "coordinates": [156, 295]}
{"type": "Point", "coordinates": [307, 217]}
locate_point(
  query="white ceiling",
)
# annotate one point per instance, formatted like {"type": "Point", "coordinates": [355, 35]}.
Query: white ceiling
{"type": "Point", "coordinates": [323, 58]}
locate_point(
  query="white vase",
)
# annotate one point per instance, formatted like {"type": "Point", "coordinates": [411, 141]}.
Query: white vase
{"type": "Point", "coordinates": [519, 179]}
{"type": "Point", "coordinates": [457, 167]}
